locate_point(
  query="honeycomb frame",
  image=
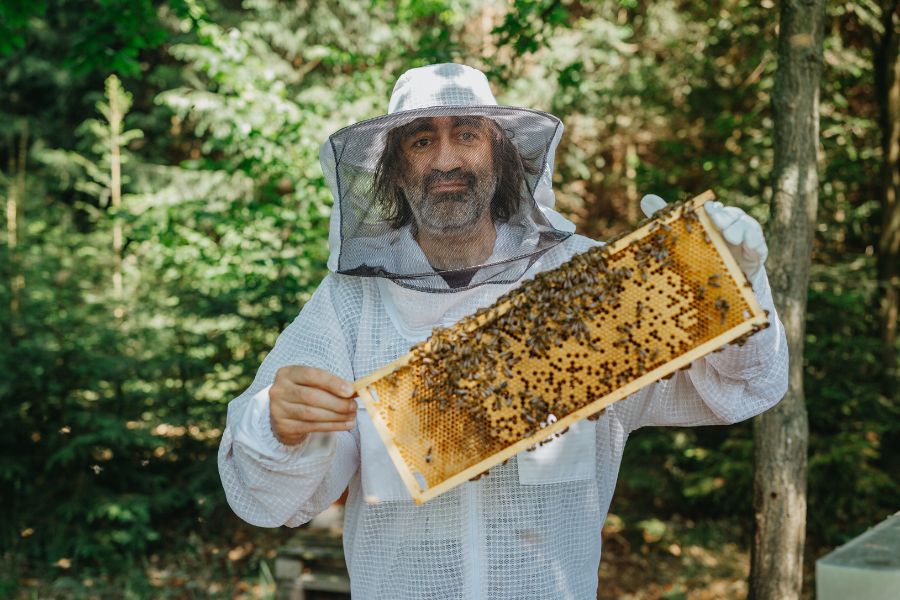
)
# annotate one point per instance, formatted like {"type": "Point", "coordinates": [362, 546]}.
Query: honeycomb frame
{"type": "Point", "coordinates": [440, 435]}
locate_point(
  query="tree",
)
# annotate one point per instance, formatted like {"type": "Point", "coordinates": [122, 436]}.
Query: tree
{"type": "Point", "coordinates": [15, 195]}
{"type": "Point", "coordinates": [118, 101]}
{"type": "Point", "coordinates": [887, 87]}
{"type": "Point", "coordinates": [781, 434]}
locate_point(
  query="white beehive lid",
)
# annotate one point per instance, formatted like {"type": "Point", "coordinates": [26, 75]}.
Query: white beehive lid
{"type": "Point", "coordinates": [865, 568]}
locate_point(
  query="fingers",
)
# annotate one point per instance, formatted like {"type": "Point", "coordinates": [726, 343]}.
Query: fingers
{"type": "Point", "coordinates": [295, 432]}
{"type": "Point", "coordinates": [651, 203]}
{"type": "Point", "coordinates": [755, 242]}
{"type": "Point", "coordinates": [743, 234]}
{"type": "Point", "coordinates": [737, 227]}
{"type": "Point", "coordinates": [306, 399]}
{"type": "Point", "coordinates": [734, 233]}
{"type": "Point", "coordinates": [323, 399]}
{"type": "Point", "coordinates": [288, 393]}
{"type": "Point", "coordinates": [305, 419]}
{"type": "Point", "coordinates": [291, 421]}
{"type": "Point", "coordinates": [746, 233]}
{"type": "Point", "coordinates": [317, 378]}
{"type": "Point", "coordinates": [723, 217]}
{"type": "Point", "coordinates": [309, 411]}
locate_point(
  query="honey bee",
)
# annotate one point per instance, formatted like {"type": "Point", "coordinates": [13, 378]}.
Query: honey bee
{"type": "Point", "coordinates": [722, 306]}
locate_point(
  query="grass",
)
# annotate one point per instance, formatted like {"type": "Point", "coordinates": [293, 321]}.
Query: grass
{"type": "Point", "coordinates": [673, 560]}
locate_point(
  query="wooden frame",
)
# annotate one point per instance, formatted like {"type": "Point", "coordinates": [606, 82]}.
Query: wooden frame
{"type": "Point", "coordinates": [753, 322]}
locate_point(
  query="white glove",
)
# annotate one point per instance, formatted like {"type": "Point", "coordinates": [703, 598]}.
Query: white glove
{"type": "Point", "coordinates": [743, 234]}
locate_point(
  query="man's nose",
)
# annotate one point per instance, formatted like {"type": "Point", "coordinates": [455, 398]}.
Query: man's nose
{"type": "Point", "coordinates": [447, 158]}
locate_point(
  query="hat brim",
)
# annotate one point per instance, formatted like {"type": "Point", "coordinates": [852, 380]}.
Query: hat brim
{"type": "Point", "coordinates": [532, 131]}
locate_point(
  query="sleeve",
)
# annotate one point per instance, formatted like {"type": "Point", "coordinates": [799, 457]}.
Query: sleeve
{"type": "Point", "coordinates": [267, 483]}
{"type": "Point", "coordinates": [721, 388]}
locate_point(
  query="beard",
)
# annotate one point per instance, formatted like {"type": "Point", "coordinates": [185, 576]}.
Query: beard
{"type": "Point", "coordinates": [451, 212]}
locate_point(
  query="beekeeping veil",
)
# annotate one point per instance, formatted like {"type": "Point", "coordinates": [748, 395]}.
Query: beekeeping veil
{"type": "Point", "coordinates": [494, 190]}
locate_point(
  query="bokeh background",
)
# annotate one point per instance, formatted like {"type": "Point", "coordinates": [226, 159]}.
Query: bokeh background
{"type": "Point", "coordinates": [166, 218]}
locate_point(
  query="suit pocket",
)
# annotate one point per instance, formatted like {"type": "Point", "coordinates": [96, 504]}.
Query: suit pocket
{"type": "Point", "coordinates": [570, 457]}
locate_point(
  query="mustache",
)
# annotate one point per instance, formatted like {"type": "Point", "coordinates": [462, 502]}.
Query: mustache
{"type": "Point", "coordinates": [467, 177]}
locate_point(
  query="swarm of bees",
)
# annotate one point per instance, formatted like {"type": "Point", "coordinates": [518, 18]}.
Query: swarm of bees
{"type": "Point", "coordinates": [565, 339]}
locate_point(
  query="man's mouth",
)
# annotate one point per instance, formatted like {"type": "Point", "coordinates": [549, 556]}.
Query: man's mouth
{"type": "Point", "coordinates": [457, 185]}
{"type": "Point", "coordinates": [451, 182]}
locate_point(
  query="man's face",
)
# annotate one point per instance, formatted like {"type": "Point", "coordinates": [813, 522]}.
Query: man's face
{"type": "Point", "coordinates": [449, 181]}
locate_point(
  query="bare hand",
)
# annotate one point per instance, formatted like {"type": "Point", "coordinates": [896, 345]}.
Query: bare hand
{"type": "Point", "coordinates": [306, 399]}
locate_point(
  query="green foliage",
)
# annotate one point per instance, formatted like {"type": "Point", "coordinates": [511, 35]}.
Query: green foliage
{"type": "Point", "coordinates": [14, 16]}
{"type": "Point", "coordinates": [855, 424]}
{"type": "Point", "coordinates": [530, 24]}
{"type": "Point", "coordinates": [112, 419]}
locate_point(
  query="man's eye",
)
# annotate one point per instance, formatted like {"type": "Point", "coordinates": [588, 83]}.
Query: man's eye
{"type": "Point", "coordinates": [421, 143]}
{"type": "Point", "coordinates": [468, 136]}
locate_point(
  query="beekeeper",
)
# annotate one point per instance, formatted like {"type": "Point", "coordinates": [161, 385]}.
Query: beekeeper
{"type": "Point", "coordinates": [440, 207]}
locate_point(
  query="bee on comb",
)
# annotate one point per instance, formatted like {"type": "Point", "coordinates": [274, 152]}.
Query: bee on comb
{"type": "Point", "coordinates": [560, 348]}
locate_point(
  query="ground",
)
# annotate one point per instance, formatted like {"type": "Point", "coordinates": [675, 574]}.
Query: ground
{"type": "Point", "coordinates": [673, 559]}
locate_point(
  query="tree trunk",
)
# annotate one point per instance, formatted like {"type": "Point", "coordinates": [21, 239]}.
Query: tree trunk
{"type": "Point", "coordinates": [887, 86]}
{"type": "Point", "coordinates": [631, 192]}
{"type": "Point", "coordinates": [115, 117]}
{"type": "Point", "coordinates": [781, 434]}
{"type": "Point", "coordinates": [14, 199]}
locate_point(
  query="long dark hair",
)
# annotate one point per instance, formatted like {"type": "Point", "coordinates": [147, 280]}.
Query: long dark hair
{"type": "Point", "coordinates": [509, 164]}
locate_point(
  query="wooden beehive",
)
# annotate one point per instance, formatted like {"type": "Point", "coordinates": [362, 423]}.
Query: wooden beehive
{"type": "Point", "coordinates": [560, 348]}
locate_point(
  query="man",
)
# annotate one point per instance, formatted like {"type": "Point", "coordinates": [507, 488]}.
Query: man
{"type": "Point", "coordinates": [441, 206]}
{"type": "Point", "coordinates": [454, 180]}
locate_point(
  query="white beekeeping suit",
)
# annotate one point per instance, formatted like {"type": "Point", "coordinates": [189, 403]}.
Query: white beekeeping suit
{"type": "Point", "coordinates": [531, 529]}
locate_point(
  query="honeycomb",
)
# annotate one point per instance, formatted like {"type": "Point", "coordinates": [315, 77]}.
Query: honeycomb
{"type": "Point", "coordinates": [560, 348]}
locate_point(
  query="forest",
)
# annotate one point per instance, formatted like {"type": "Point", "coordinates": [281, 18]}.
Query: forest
{"type": "Point", "coordinates": [166, 217]}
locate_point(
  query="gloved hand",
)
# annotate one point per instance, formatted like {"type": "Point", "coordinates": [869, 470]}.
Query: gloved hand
{"type": "Point", "coordinates": [743, 234]}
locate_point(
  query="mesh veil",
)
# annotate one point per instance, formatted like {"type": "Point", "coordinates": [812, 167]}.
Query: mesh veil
{"type": "Point", "coordinates": [463, 193]}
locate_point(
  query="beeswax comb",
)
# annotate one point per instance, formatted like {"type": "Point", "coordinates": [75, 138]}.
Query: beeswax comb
{"type": "Point", "coordinates": [560, 348]}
